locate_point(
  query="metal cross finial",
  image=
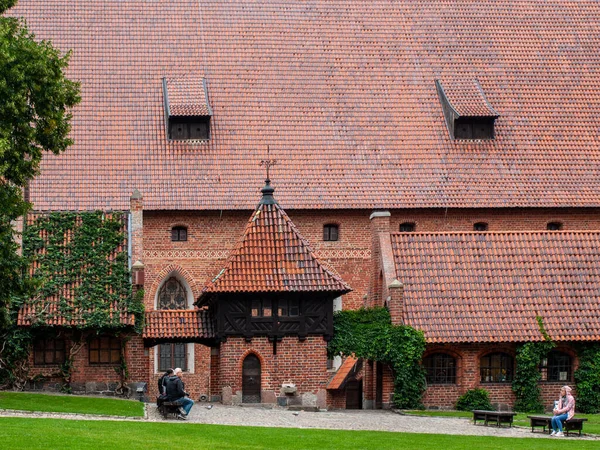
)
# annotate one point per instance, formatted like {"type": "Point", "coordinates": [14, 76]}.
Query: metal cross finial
{"type": "Point", "coordinates": [268, 163]}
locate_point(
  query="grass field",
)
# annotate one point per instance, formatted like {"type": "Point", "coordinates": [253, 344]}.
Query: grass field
{"type": "Point", "coordinates": [19, 433]}
{"type": "Point", "coordinates": [70, 404]}
{"type": "Point", "coordinates": [592, 426]}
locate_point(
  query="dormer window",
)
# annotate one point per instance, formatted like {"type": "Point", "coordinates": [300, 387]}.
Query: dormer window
{"type": "Point", "coordinates": [468, 113]}
{"type": "Point", "coordinates": [187, 110]}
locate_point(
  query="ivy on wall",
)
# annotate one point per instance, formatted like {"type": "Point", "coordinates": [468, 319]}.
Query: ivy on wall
{"type": "Point", "coordinates": [587, 378]}
{"type": "Point", "coordinates": [79, 263]}
{"type": "Point", "coordinates": [525, 383]}
{"type": "Point", "coordinates": [369, 334]}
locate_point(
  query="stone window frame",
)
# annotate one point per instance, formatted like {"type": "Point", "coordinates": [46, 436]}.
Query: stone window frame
{"type": "Point", "coordinates": [102, 344]}
{"type": "Point", "coordinates": [46, 347]}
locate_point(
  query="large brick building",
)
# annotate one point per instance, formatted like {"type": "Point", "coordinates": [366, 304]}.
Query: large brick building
{"type": "Point", "coordinates": [439, 158]}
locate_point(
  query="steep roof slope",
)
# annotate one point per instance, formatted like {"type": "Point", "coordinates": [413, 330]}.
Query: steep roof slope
{"type": "Point", "coordinates": [342, 91]}
{"type": "Point", "coordinates": [491, 287]}
{"type": "Point", "coordinates": [272, 256]}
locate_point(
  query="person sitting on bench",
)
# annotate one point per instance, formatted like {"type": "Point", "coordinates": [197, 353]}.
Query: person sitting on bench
{"type": "Point", "coordinates": [176, 393]}
{"type": "Point", "coordinates": [564, 411]}
{"type": "Point", "coordinates": [162, 391]}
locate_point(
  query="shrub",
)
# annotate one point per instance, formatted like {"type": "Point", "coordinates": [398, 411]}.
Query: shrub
{"type": "Point", "coordinates": [587, 378]}
{"type": "Point", "coordinates": [474, 399]}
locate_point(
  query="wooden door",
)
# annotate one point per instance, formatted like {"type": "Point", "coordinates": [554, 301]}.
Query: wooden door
{"type": "Point", "coordinates": [251, 380]}
{"type": "Point", "coordinates": [354, 394]}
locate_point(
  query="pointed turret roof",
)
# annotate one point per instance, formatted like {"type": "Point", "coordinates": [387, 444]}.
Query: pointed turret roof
{"type": "Point", "coordinates": [273, 257]}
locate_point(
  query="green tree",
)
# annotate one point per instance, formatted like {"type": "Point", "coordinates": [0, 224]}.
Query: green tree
{"type": "Point", "coordinates": [34, 118]}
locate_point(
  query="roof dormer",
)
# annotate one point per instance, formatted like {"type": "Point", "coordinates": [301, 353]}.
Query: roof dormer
{"type": "Point", "coordinates": [186, 108]}
{"type": "Point", "coordinates": [468, 113]}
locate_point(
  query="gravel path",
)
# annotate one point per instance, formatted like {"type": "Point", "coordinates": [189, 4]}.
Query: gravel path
{"type": "Point", "coordinates": [378, 420]}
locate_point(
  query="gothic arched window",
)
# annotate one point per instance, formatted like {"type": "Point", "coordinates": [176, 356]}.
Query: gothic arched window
{"type": "Point", "coordinates": [172, 295]}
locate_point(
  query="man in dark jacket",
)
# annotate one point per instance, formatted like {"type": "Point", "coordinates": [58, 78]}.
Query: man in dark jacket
{"type": "Point", "coordinates": [176, 393]}
{"type": "Point", "coordinates": [162, 381]}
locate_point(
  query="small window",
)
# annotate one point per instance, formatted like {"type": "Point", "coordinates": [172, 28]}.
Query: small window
{"type": "Point", "coordinates": [473, 128]}
{"type": "Point", "coordinates": [189, 128]}
{"type": "Point", "coordinates": [288, 308]}
{"type": "Point", "coordinates": [558, 367]}
{"type": "Point", "coordinates": [179, 234]}
{"type": "Point", "coordinates": [261, 308]}
{"type": "Point", "coordinates": [172, 356]}
{"type": "Point", "coordinates": [440, 369]}
{"type": "Point", "coordinates": [49, 351]}
{"type": "Point", "coordinates": [330, 232]}
{"type": "Point", "coordinates": [554, 226]}
{"type": "Point", "coordinates": [407, 227]}
{"type": "Point", "coordinates": [480, 226]}
{"type": "Point", "coordinates": [496, 368]}
{"type": "Point", "coordinates": [105, 350]}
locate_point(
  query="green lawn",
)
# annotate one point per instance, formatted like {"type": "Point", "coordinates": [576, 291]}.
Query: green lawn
{"type": "Point", "coordinates": [592, 426]}
{"type": "Point", "coordinates": [70, 404]}
{"type": "Point", "coordinates": [19, 433]}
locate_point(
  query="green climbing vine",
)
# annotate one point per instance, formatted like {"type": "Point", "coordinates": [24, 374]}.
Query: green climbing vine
{"type": "Point", "coordinates": [79, 259]}
{"type": "Point", "coordinates": [369, 334]}
{"type": "Point", "coordinates": [587, 379]}
{"type": "Point", "coordinates": [527, 373]}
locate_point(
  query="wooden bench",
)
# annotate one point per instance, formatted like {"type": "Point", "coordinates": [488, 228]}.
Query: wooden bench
{"type": "Point", "coordinates": [574, 424]}
{"type": "Point", "coordinates": [170, 408]}
{"type": "Point", "coordinates": [498, 417]}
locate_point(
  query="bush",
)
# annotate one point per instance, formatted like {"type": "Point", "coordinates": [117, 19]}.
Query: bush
{"type": "Point", "coordinates": [474, 399]}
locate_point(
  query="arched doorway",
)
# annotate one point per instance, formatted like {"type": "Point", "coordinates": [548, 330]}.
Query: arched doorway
{"type": "Point", "coordinates": [251, 379]}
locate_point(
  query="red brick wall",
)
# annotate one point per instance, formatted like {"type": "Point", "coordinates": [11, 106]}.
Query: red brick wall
{"type": "Point", "coordinates": [303, 363]}
{"type": "Point", "coordinates": [510, 219]}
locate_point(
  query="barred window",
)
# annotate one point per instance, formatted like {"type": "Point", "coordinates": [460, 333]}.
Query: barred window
{"type": "Point", "coordinates": [49, 351]}
{"type": "Point", "coordinates": [172, 356]}
{"type": "Point", "coordinates": [172, 295]}
{"type": "Point", "coordinates": [330, 232]}
{"type": "Point", "coordinates": [496, 368]}
{"type": "Point", "coordinates": [440, 368]}
{"type": "Point", "coordinates": [179, 234]}
{"type": "Point", "coordinates": [105, 350]}
{"type": "Point", "coordinates": [559, 366]}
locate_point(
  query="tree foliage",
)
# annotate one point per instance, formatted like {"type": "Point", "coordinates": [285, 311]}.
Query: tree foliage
{"type": "Point", "coordinates": [369, 334]}
{"type": "Point", "coordinates": [34, 118]}
{"type": "Point", "coordinates": [36, 98]}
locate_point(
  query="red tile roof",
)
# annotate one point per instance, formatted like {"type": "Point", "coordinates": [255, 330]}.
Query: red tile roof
{"type": "Point", "coordinates": [47, 312]}
{"type": "Point", "coordinates": [342, 91]}
{"type": "Point", "coordinates": [340, 376]}
{"type": "Point", "coordinates": [272, 256]}
{"type": "Point", "coordinates": [467, 98]}
{"type": "Point", "coordinates": [187, 97]}
{"type": "Point", "coordinates": [490, 287]}
{"type": "Point", "coordinates": [178, 325]}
